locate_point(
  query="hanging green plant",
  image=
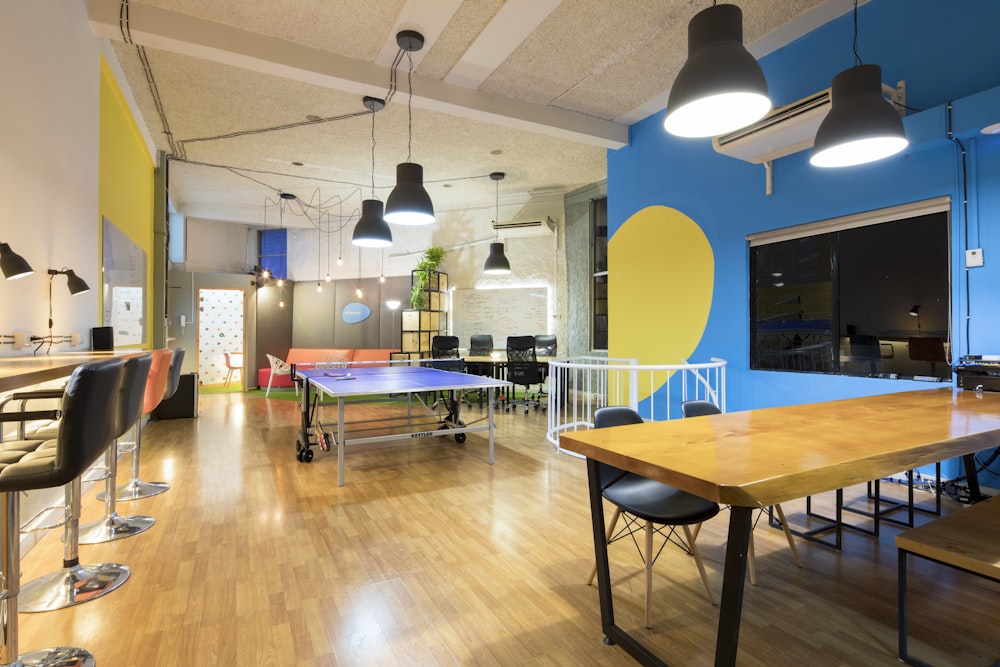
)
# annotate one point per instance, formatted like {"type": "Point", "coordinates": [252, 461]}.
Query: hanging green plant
{"type": "Point", "coordinates": [429, 263]}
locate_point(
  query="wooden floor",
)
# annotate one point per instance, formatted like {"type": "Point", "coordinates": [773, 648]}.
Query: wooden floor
{"type": "Point", "coordinates": [430, 556]}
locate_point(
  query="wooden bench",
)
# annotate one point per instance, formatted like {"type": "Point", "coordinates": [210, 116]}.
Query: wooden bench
{"type": "Point", "coordinates": [967, 540]}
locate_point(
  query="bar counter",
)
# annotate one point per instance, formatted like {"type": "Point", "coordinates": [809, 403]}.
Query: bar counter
{"type": "Point", "coordinates": [20, 372]}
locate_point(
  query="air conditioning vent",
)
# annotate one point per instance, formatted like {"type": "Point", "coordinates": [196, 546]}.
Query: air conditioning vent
{"type": "Point", "coordinates": [786, 130]}
{"type": "Point", "coordinates": [540, 227]}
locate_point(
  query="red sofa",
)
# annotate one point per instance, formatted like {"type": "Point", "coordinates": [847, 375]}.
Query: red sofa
{"type": "Point", "coordinates": [300, 355]}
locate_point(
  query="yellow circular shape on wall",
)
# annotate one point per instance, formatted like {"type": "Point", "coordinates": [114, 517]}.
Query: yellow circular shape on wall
{"type": "Point", "coordinates": [661, 273]}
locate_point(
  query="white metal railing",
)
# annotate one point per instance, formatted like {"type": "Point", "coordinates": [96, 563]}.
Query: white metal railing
{"type": "Point", "coordinates": [578, 386]}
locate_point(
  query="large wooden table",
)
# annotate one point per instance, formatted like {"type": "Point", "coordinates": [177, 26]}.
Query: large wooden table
{"type": "Point", "coordinates": [762, 457]}
{"type": "Point", "coordinates": [19, 372]}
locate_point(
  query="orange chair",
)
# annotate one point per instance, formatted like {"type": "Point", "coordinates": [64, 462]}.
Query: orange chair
{"type": "Point", "coordinates": [155, 386]}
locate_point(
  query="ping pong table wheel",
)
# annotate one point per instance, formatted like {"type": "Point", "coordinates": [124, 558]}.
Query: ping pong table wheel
{"type": "Point", "coordinates": [460, 438]}
{"type": "Point", "coordinates": [307, 456]}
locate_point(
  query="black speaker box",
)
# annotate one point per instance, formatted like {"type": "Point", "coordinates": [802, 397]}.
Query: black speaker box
{"type": "Point", "coordinates": [102, 338]}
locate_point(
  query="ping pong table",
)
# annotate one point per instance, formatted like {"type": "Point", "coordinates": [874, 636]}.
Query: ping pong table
{"type": "Point", "coordinates": [381, 384]}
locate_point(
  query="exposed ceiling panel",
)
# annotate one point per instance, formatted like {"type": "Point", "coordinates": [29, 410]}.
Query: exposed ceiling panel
{"type": "Point", "coordinates": [248, 88]}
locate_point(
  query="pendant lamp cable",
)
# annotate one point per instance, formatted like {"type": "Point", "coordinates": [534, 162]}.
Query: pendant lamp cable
{"type": "Point", "coordinates": [857, 56]}
{"type": "Point", "coordinates": [373, 154]}
{"type": "Point", "coordinates": [496, 220]}
{"type": "Point", "coordinates": [409, 107]}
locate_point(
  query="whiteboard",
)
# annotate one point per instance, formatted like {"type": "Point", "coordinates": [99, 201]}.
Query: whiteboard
{"type": "Point", "coordinates": [519, 311]}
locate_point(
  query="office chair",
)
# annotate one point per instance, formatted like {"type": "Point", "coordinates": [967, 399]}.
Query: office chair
{"type": "Point", "coordinates": [545, 346]}
{"type": "Point", "coordinates": [522, 370]}
{"type": "Point", "coordinates": [702, 408]}
{"type": "Point", "coordinates": [446, 349]}
{"type": "Point", "coordinates": [651, 507]}
{"type": "Point", "coordinates": [445, 357]}
{"type": "Point", "coordinates": [480, 345]}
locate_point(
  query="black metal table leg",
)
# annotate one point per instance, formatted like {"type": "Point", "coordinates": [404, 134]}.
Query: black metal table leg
{"type": "Point", "coordinates": [731, 606]}
{"type": "Point", "coordinates": [969, 463]}
{"type": "Point", "coordinates": [612, 633]}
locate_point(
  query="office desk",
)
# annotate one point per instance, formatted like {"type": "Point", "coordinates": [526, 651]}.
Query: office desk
{"type": "Point", "coordinates": [20, 372]}
{"type": "Point", "coordinates": [762, 457]}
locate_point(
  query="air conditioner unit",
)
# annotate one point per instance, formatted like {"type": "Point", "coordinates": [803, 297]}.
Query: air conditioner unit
{"type": "Point", "coordinates": [786, 130]}
{"type": "Point", "coordinates": [542, 227]}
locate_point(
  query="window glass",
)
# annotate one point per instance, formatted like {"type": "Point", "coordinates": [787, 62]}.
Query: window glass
{"type": "Point", "coordinates": [870, 300]}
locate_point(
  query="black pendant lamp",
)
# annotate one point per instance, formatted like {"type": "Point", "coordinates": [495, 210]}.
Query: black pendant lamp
{"type": "Point", "coordinates": [409, 203]}
{"type": "Point", "coordinates": [13, 265]}
{"type": "Point", "coordinates": [721, 87]}
{"type": "Point", "coordinates": [372, 230]}
{"type": "Point", "coordinates": [497, 264]}
{"type": "Point", "coordinates": [862, 126]}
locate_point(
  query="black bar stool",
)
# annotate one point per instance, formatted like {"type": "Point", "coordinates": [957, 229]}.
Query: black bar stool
{"type": "Point", "coordinates": [74, 583]}
{"type": "Point", "coordinates": [113, 526]}
{"type": "Point", "coordinates": [87, 419]}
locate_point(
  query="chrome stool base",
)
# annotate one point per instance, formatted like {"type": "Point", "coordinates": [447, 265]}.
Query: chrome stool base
{"type": "Point", "coordinates": [63, 656]}
{"type": "Point", "coordinates": [137, 489]}
{"type": "Point", "coordinates": [114, 527]}
{"type": "Point", "coordinates": [71, 586]}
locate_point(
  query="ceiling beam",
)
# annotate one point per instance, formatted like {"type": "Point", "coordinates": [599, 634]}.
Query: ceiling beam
{"type": "Point", "coordinates": [180, 33]}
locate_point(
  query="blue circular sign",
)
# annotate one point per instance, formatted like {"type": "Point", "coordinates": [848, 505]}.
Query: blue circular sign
{"type": "Point", "coordinates": [356, 312]}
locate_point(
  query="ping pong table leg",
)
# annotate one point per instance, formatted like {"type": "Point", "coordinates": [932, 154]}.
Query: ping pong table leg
{"type": "Point", "coordinates": [490, 396]}
{"type": "Point", "coordinates": [340, 441]}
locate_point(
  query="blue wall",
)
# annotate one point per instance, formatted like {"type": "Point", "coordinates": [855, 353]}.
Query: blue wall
{"type": "Point", "coordinates": [948, 54]}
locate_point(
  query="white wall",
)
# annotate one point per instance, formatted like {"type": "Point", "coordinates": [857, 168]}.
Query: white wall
{"type": "Point", "coordinates": [49, 138]}
{"type": "Point", "coordinates": [219, 247]}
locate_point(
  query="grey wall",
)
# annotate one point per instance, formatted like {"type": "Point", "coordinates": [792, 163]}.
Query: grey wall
{"type": "Point", "coordinates": [578, 269]}
{"type": "Point", "coordinates": [317, 320]}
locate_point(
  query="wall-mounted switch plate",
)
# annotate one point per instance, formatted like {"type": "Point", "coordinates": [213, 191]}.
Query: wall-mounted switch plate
{"type": "Point", "coordinates": [973, 258]}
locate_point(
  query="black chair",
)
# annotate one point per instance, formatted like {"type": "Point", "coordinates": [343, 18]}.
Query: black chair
{"type": "Point", "coordinates": [445, 356]}
{"type": "Point", "coordinates": [700, 408]}
{"type": "Point", "coordinates": [87, 410]}
{"type": "Point", "coordinates": [545, 346]}
{"type": "Point", "coordinates": [651, 507]}
{"type": "Point", "coordinates": [523, 370]}
{"type": "Point", "coordinates": [481, 345]}
{"type": "Point", "coordinates": [444, 350]}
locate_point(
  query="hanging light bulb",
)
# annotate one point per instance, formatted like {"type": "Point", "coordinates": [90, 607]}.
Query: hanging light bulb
{"type": "Point", "coordinates": [496, 263]}
{"type": "Point", "coordinates": [281, 281]}
{"type": "Point", "coordinates": [319, 286]}
{"type": "Point", "coordinates": [409, 203]}
{"type": "Point", "coordinates": [358, 292]}
{"type": "Point", "coordinates": [281, 303]}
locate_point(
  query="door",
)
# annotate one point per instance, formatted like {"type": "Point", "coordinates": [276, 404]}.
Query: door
{"type": "Point", "coordinates": [220, 330]}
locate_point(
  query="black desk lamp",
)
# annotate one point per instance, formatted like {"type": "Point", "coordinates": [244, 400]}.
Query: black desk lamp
{"type": "Point", "coordinates": [76, 285]}
{"type": "Point", "coordinates": [13, 265]}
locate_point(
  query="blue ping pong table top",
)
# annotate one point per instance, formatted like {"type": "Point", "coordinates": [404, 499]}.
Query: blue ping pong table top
{"type": "Point", "coordinates": [361, 380]}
